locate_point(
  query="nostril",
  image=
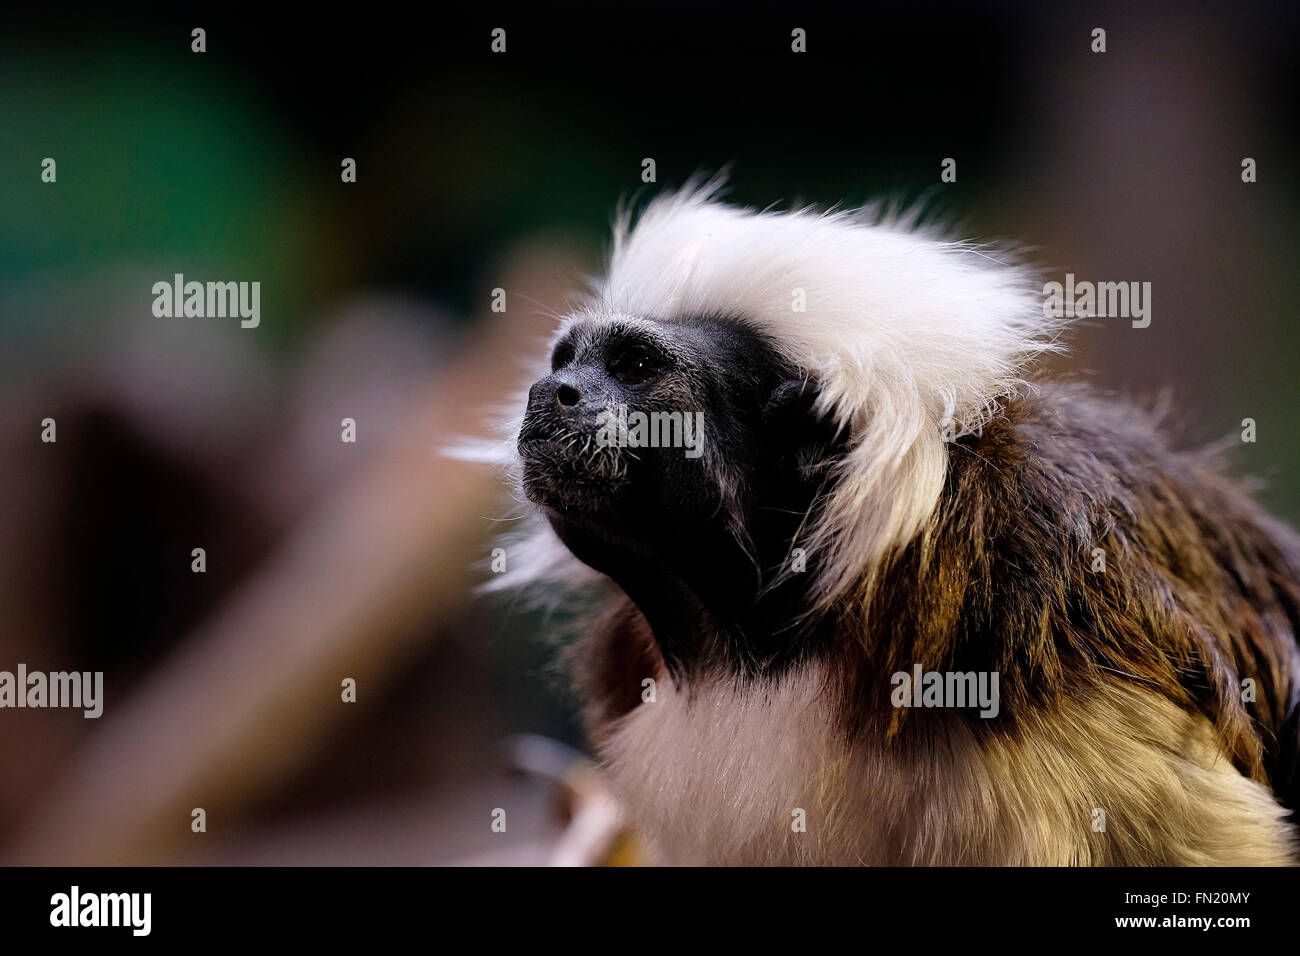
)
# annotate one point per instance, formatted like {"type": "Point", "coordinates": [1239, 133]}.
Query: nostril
{"type": "Point", "coordinates": [568, 395]}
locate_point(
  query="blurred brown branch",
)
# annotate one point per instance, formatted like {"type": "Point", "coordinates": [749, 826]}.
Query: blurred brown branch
{"type": "Point", "coordinates": [248, 698]}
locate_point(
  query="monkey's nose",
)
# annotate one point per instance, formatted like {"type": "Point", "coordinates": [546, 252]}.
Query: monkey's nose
{"type": "Point", "coordinates": [568, 396]}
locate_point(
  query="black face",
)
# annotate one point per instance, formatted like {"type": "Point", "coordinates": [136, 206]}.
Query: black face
{"type": "Point", "coordinates": [681, 459]}
{"type": "Point", "coordinates": [577, 459]}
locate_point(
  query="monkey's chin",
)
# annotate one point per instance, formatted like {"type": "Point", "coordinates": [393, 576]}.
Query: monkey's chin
{"type": "Point", "coordinates": [570, 498]}
{"type": "Point", "coordinates": [565, 486]}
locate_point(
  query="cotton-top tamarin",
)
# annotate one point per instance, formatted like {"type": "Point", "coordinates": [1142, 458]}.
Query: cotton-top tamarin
{"type": "Point", "coordinates": [885, 598]}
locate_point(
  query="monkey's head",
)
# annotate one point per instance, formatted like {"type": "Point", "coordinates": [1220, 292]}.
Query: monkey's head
{"type": "Point", "coordinates": [809, 371]}
{"type": "Point", "coordinates": [679, 458]}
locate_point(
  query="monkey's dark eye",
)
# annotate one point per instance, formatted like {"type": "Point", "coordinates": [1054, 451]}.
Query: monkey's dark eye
{"type": "Point", "coordinates": [635, 366]}
{"type": "Point", "coordinates": [562, 356]}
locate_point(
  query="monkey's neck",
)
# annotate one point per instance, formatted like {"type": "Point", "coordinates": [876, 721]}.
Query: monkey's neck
{"type": "Point", "coordinates": [685, 629]}
{"type": "Point", "coordinates": [707, 608]}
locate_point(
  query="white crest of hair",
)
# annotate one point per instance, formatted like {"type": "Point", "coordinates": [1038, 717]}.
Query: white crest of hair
{"type": "Point", "coordinates": [904, 332]}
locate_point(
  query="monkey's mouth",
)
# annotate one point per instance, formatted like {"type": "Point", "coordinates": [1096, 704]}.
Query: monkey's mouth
{"type": "Point", "coordinates": [571, 472]}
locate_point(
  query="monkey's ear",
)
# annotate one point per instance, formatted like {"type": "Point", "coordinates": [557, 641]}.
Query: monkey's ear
{"type": "Point", "coordinates": [793, 425]}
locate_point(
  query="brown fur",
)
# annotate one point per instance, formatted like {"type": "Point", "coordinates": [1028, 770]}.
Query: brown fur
{"type": "Point", "coordinates": [1200, 591]}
